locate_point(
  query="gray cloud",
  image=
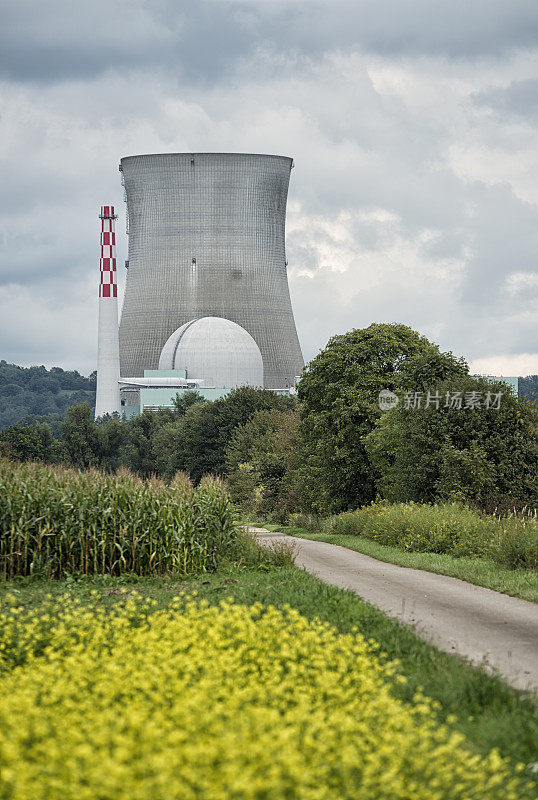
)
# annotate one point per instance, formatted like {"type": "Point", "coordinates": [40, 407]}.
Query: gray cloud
{"type": "Point", "coordinates": [496, 249]}
{"type": "Point", "coordinates": [61, 40]}
{"type": "Point", "coordinates": [414, 194]}
{"type": "Point", "coordinates": [519, 99]}
{"type": "Point", "coordinates": [206, 40]}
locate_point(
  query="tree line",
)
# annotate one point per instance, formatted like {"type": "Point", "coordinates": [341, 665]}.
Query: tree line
{"type": "Point", "coordinates": [448, 435]}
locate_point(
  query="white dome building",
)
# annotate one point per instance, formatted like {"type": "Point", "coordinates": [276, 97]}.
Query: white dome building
{"type": "Point", "coordinates": [215, 350]}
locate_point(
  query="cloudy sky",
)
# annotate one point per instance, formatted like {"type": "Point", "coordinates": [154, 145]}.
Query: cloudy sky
{"type": "Point", "coordinates": [412, 124]}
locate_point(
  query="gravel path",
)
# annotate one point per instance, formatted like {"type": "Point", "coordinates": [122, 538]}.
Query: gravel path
{"type": "Point", "coordinates": [486, 627]}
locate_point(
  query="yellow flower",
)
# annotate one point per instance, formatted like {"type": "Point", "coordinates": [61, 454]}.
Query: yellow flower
{"type": "Point", "coordinates": [220, 703]}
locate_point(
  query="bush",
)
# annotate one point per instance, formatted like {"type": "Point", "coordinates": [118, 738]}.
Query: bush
{"type": "Point", "coordinates": [214, 702]}
{"type": "Point", "coordinates": [445, 528]}
{"type": "Point", "coordinates": [515, 544]}
{"type": "Point", "coordinates": [56, 520]}
{"type": "Point", "coordinates": [306, 521]}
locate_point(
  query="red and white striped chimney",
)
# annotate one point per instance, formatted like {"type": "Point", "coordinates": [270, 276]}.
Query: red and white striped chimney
{"type": "Point", "coordinates": [107, 400]}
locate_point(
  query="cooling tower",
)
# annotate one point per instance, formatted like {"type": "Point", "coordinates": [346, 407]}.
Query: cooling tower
{"type": "Point", "coordinates": [206, 239]}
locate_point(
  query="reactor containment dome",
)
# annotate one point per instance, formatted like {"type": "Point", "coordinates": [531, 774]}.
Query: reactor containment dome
{"type": "Point", "coordinates": [220, 352]}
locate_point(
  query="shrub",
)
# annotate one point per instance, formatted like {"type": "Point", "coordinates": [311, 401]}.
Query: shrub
{"type": "Point", "coordinates": [57, 520]}
{"type": "Point", "coordinates": [515, 543]}
{"type": "Point", "coordinates": [445, 528]}
{"type": "Point", "coordinates": [306, 521]}
{"type": "Point", "coordinates": [215, 702]}
{"type": "Point", "coordinates": [281, 554]}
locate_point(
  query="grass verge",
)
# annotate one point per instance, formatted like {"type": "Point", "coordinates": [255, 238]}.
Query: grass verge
{"type": "Point", "coordinates": [482, 707]}
{"type": "Point", "coordinates": [480, 571]}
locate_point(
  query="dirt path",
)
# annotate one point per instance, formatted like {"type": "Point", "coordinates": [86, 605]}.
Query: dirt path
{"type": "Point", "coordinates": [486, 627]}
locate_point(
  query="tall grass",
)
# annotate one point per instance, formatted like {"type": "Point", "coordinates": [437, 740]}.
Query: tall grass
{"type": "Point", "coordinates": [57, 520]}
{"type": "Point", "coordinates": [445, 528]}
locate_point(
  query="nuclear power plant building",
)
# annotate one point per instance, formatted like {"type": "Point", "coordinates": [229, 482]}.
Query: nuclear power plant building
{"type": "Point", "coordinates": [206, 240]}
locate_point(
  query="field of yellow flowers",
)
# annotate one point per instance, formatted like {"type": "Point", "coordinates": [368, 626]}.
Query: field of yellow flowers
{"type": "Point", "coordinates": [216, 702]}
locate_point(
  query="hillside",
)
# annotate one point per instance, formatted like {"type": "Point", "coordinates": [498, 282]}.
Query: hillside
{"type": "Point", "coordinates": [37, 391]}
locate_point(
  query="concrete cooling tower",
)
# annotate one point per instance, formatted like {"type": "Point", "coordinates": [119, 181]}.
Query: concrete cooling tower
{"type": "Point", "coordinates": [206, 239]}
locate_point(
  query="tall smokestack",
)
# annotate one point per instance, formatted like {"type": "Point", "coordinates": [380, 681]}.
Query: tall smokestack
{"type": "Point", "coordinates": [107, 400]}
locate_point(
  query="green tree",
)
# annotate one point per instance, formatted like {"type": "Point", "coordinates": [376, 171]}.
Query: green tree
{"type": "Point", "coordinates": [261, 462]}
{"type": "Point", "coordinates": [184, 400]}
{"type": "Point", "coordinates": [488, 456]}
{"type": "Point", "coordinates": [197, 442]}
{"type": "Point", "coordinates": [26, 391]}
{"type": "Point", "coordinates": [79, 437]}
{"type": "Point", "coordinates": [111, 434]}
{"type": "Point", "coordinates": [30, 443]}
{"type": "Point", "coordinates": [139, 451]}
{"type": "Point", "coordinates": [142, 449]}
{"type": "Point", "coordinates": [339, 393]}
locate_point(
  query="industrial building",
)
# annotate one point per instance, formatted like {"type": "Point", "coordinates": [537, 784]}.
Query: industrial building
{"type": "Point", "coordinates": [207, 303]}
{"type": "Point", "coordinates": [211, 355]}
{"type": "Point", "coordinates": [206, 239]}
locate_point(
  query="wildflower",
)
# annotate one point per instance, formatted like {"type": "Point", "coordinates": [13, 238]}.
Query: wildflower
{"type": "Point", "coordinates": [221, 702]}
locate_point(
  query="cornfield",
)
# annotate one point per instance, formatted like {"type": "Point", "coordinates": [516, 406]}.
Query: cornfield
{"type": "Point", "coordinates": [56, 521]}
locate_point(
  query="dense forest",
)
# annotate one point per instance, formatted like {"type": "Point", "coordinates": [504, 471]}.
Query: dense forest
{"type": "Point", "coordinates": [27, 393]}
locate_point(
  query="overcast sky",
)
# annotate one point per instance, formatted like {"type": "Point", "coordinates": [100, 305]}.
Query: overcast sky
{"type": "Point", "coordinates": [412, 124]}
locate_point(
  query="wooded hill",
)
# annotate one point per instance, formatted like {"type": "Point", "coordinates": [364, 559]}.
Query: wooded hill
{"type": "Point", "coordinates": [40, 392]}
